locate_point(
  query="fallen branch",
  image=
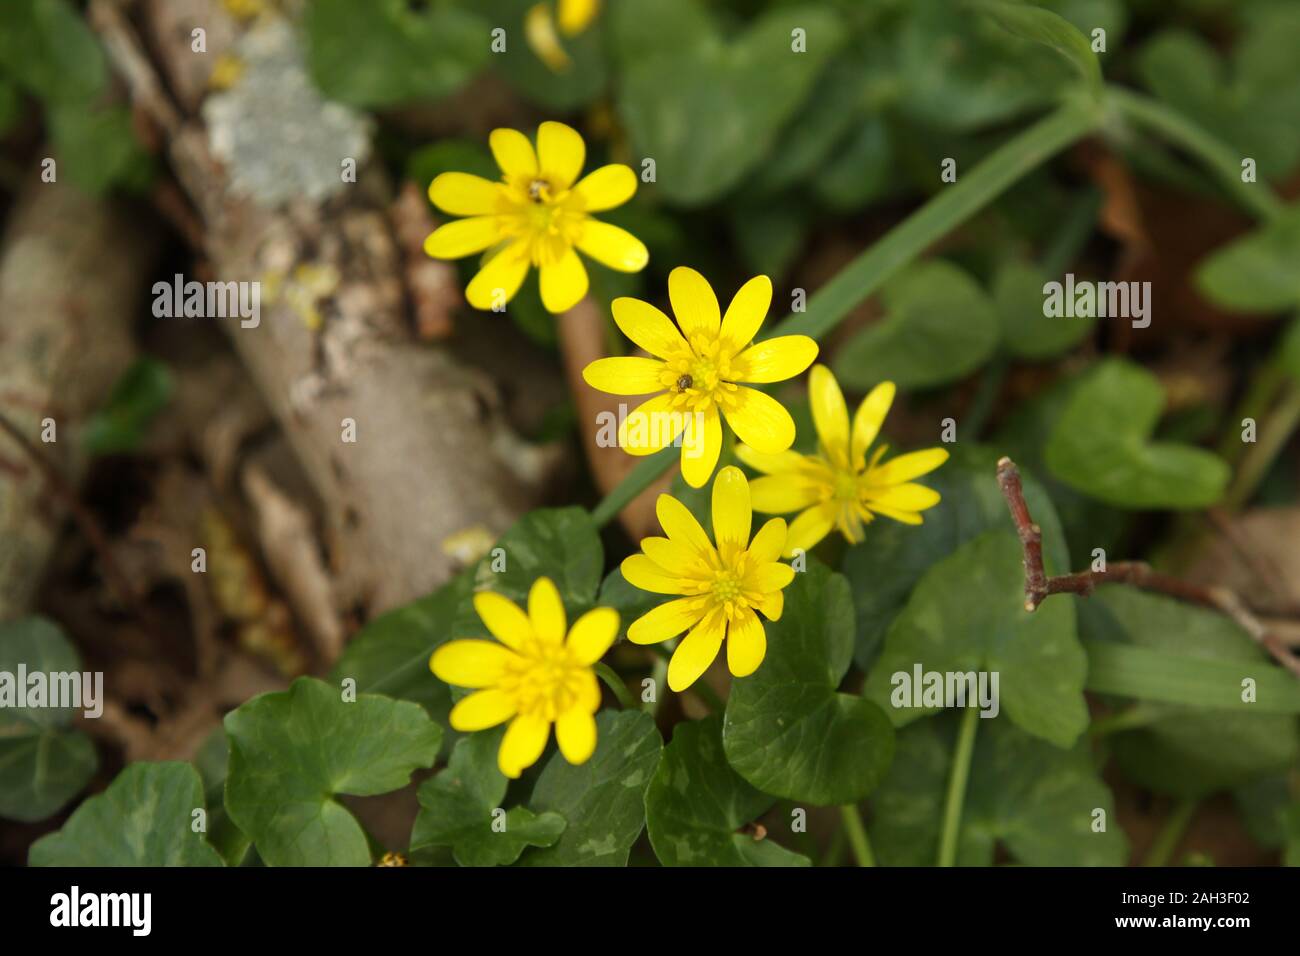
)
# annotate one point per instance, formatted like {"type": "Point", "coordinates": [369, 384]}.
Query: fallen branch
{"type": "Point", "coordinates": [1139, 574]}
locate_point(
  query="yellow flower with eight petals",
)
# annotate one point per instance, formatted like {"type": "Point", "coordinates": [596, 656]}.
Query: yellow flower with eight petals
{"type": "Point", "coordinates": [839, 487]}
{"type": "Point", "coordinates": [533, 678]}
{"type": "Point", "coordinates": [721, 587]}
{"type": "Point", "coordinates": [538, 214]}
{"type": "Point", "coordinates": [700, 370]}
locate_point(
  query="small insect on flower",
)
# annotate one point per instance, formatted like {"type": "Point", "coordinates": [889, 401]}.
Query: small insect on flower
{"type": "Point", "coordinates": [534, 677]}
{"type": "Point", "coordinates": [721, 586]}
{"type": "Point", "coordinates": [538, 214]}
{"type": "Point", "coordinates": [839, 487]}
{"type": "Point", "coordinates": [699, 371]}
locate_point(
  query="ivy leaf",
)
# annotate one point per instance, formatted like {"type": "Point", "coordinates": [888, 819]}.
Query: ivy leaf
{"type": "Point", "coordinates": [212, 762]}
{"type": "Point", "coordinates": [44, 763]}
{"type": "Point", "coordinates": [918, 345]}
{"type": "Point", "coordinates": [144, 818]}
{"type": "Point", "coordinates": [141, 393]}
{"type": "Point", "coordinates": [788, 731]}
{"type": "Point", "coordinates": [1026, 332]}
{"type": "Point", "coordinates": [1189, 751]}
{"type": "Point", "coordinates": [1037, 800]}
{"type": "Point", "coordinates": [1256, 273]}
{"type": "Point", "coordinates": [696, 804]}
{"type": "Point", "coordinates": [293, 752]}
{"type": "Point", "coordinates": [1101, 445]}
{"type": "Point", "coordinates": [603, 800]}
{"type": "Point", "coordinates": [967, 614]}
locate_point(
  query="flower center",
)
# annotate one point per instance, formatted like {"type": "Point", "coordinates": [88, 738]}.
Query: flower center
{"type": "Point", "coordinates": [539, 191]}
{"type": "Point", "coordinates": [845, 486]}
{"type": "Point", "coordinates": [545, 679]}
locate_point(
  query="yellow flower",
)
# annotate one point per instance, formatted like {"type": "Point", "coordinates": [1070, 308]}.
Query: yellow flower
{"type": "Point", "coordinates": [697, 370]}
{"type": "Point", "coordinates": [722, 586]}
{"type": "Point", "coordinates": [536, 215]}
{"type": "Point", "coordinates": [539, 27]}
{"type": "Point", "coordinates": [533, 678]}
{"type": "Point", "coordinates": [839, 487]}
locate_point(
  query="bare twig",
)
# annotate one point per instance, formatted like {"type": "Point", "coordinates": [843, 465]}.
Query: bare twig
{"type": "Point", "coordinates": [1038, 586]}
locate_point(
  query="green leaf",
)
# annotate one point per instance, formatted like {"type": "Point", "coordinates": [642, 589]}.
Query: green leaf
{"type": "Point", "coordinates": [459, 808]}
{"type": "Point", "coordinates": [1165, 677]}
{"type": "Point", "coordinates": [46, 46]}
{"type": "Point", "coordinates": [212, 762]}
{"type": "Point", "coordinates": [384, 53]}
{"type": "Point", "coordinates": [1036, 800]}
{"type": "Point", "coordinates": [861, 170]}
{"type": "Point", "coordinates": [696, 804]}
{"type": "Point", "coordinates": [11, 105]}
{"type": "Point", "coordinates": [293, 752]}
{"type": "Point", "coordinates": [1026, 332]}
{"type": "Point", "coordinates": [1257, 272]}
{"type": "Point", "coordinates": [1043, 26]}
{"type": "Point", "coordinates": [884, 569]}
{"type": "Point", "coordinates": [97, 147]}
{"type": "Point", "coordinates": [44, 763]}
{"type": "Point", "coordinates": [603, 800]}
{"type": "Point", "coordinates": [1101, 445]}
{"type": "Point", "coordinates": [451, 156]}
{"type": "Point", "coordinates": [141, 393]}
{"type": "Point", "coordinates": [967, 615]}
{"type": "Point", "coordinates": [1188, 751]}
{"type": "Point", "coordinates": [1289, 350]}
{"type": "Point", "coordinates": [788, 731]}
{"type": "Point", "coordinates": [918, 344]}
{"type": "Point", "coordinates": [144, 818]}
{"type": "Point", "coordinates": [679, 76]}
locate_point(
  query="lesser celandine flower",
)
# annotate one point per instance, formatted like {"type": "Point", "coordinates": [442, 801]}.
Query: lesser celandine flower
{"type": "Point", "coordinates": [538, 214]}
{"type": "Point", "coordinates": [572, 17]}
{"type": "Point", "coordinates": [699, 371]}
{"type": "Point", "coordinates": [534, 677]}
{"type": "Point", "coordinates": [721, 587]}
{"type": "Point", "coordinates": [840, 487]}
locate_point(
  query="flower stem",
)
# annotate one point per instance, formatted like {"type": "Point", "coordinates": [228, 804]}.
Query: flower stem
{"type": "Point", "coordinates": [857, 835]}
{"type": "Point", "coordinates": [645, 474]}
{"type": "Point", "coordinates": [615, 683]}
{"type": "Point", "coordinates": [961, 759]}
{"type": "Point", "coordinates": [1172, 832]}
{"type": "Point", "coordinates": [1274, 433]}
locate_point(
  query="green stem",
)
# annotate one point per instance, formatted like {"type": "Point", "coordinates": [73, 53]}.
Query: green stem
{"type": "Point", "coordinates": [646, 473]}
{"type": "Point", "coordinates": [1274, 433]}
{"type": "Point", "coordinates": [834, 850]}
{"type": "Point", "coordinates": [700, 688]}
{"type": "Point", "coordinates": [1172, 832]}
{"type": "Point", "coordinates": [961, 759]}
{"type": "Point", "coordinates": [857, 835]}
{"type": "Point", "coordinates": [615, 683]}
{"type": "Point", "coordinates": [659, 674]}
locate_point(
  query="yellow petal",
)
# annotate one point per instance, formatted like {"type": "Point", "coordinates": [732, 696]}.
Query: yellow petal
{"type": "Point", "coordinates": [681, 527]}
{"type": "Point", "coordinates": [770, 577]}
{"type": "Point", "coordinates": [575, 732]}
{"type": "Point", "coordinates": [629, 375]}
{"type": "Point", "coordinates": [513, 153]}
{"type": "Point", "coordinates": [463, 194]}
{"type": "Point", "coordinates": [696, 651]}
{"type": "Point", "coordinates": [613, 247]}
{"type": "Point", "coordinates": [593, 633]}
{"type": "Point", "coordinates": [731, 511]}
{"type": "Point", "coordinates": [772, 605]}
{"type": "Point", "coordinates": [652, 425]}
{"type": "Point", "coordinates": [868, 419]}
{"type": "Point", "coordinates": [606, 187]}
{"type": "Point", "coordinates": [746, 644]}
{"type": "Point", "coordinates": [500, 278]}
{"type": "Point", "coordinates": [775, 360]}
{"type": "Point", "coordinates": [647, 327]}
{"type": "Point", "coordinates": [470, 663]}
{"type": "Point", "coordinates": [904, 517]}
{"type": "Point", "coordinates": [905, 497]}
{"type": "Point", "coordinates": [539, 31]}
{"type": "Point", "coordinates": [809, 528]}
{"type": "Point", "coordinates": [701, 446]}
{"type": "Point", "coordinates": [673, 556]}
{"type": "Point", "coordinates": [546, 611]}
{"type": "Point", "coordinates": [560, 153]}
{"type": "Point", "coordinates": [481, 710]}
{"type": "Point", "coordinates": [464, 237]}
{"type": "Point", "coordinates": [769, 543]}
{"type": "Point", "coordinates": [781, 494]}
{"type": "Point", "coordinates": [640, 572]}
{"type": "Point", "coordinates": [575, 15]}
{"type": "Point", "coordinates": [746, 313]}
{"type": "Point", "coordinates": [667, 620]}
{"type": "Point", "coordinates": [778, 464]}
{"type": "Point", "coordinates": [760, 421]}
{"type": "Point", "coordinates": [906, 467]}
{"type": "Point", "coordinates": [694, 303]}
{"type": "Point", "coordinates": [564, 282]}
{"type": "Point", "coordinates": [830, 414]}
{"type": "Point", "coordinates": [504, 619]}
{"type": "Point", "coordinates": [523, 743]}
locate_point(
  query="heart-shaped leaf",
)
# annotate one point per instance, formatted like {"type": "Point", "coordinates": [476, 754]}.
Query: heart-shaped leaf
{"type": "Point", "coordinates": [293, 752]}
{"type": "Point", "coordinates": [146, 817]}
{"type": "Point", "coordinates": [603, 800]}
{"type": "Point", "coordinates": [1257, 273]}
{"type": "Point", "coordinates": [1026, 332]}
{"type": "Point", "coordinates": [967, 616]}
{"type": "Point", "coordinates": [44, 763]}
{"type": "Point", "coordinates": [1101, 445]}
{"type": "Point", "coordinates": [788, 730]}
{"type": "Point", "coordinates": [696, 806]}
